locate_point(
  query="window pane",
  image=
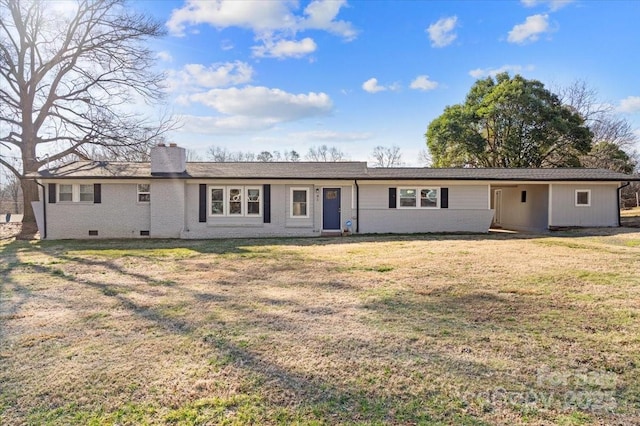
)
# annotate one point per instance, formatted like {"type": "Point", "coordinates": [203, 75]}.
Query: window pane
{"type": "Point", "coordinates": [217, 194]}
{"type": "Point", "coordinates": [66, 193]}
{"type": "Point", "coordinates": [217, 207]}
{"type": "Point", "coordinates": [299, 209]}
{"type": "Point", "coordinates": [235, 201]}
{"type": "Point", "coordinates": [300, 196]}
{"type": "Point", "coordinates": [408, 198]}
{"type": "Point", "coordinates": [86, 192]}
{"type": "Point", "coordinates": [144, 195]}
{"type": "Point", "coordinates": [299, 202]}
{"type": "Point", "coordinates": [253, 201]}
{"type": "Point", "coordinates": [429, 198]}
{"type": "Point", "coordinates": [253, 194]}
{"type": "Point", "coordinates": [582, 197]}
{"type": "Point", "coordinates": [217, 201]}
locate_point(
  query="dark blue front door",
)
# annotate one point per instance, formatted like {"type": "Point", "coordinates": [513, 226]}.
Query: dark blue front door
{"type": "Point", "coordinates": [331, 208]}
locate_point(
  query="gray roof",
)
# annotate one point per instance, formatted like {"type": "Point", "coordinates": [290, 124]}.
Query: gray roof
{"type": "Point", "coordinates": [323, 170]}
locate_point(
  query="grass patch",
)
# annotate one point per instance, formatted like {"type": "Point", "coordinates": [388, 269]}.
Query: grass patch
{"type": "Point", "coordinates": [427, 329]}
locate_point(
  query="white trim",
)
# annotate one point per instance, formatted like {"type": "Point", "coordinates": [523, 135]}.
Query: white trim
{"type": "Point", "coordinates": [418, 197]}
{"type": "Point", "coordinates": [75, 193]}
{"type": "Point", "coordinates": [260, 200]}
{"type": "Point", "coordinates": [138, 193]}
{"type": "Point", "coordinates": [550, 201]}
{"type": "Point", "coordinates": [497, 207]}
{"type": "Point", "coordinates": [308, 192]}
{"type": "Point", "coordinates": [244, 200]}
{"type": "Point", "coordinates": [575, 198]}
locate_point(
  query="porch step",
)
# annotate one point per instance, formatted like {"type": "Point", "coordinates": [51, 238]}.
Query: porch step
{"type": "Point", "coordinates": [331, 234]}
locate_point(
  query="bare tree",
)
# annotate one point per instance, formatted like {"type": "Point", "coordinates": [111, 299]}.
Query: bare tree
{"type": "Point", "coordinates": [325, 153]}
{"type": "Point", "coordinates": [223, 155]}
{"type": "Point", "coordinates": [600, 116]}
{"type": "Point", "coordinates": [384, 156]}
{"type": "Point", "coordinates": [67, 76]}
{"type": "Point", "coordinates": [292, 156]}
{"type": "Point", "coordinates": [10, 194]}
{"type": "Point", "coordinates": [265, 157]}
{"type": "Point", "coordinates": [424, 157]}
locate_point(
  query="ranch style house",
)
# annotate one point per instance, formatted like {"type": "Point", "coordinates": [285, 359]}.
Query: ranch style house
{"type": "Point", "coordinates": [169, 197]}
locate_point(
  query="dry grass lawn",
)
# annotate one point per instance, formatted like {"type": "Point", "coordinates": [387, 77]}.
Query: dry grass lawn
{"type": "Point", "coordinates": [438, 329]}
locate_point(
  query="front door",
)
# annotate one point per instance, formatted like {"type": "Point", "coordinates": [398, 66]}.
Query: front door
{"type": "Point", "coordinates": [331, 209]}
{"type": "Point", "coordinates": [497, 206]}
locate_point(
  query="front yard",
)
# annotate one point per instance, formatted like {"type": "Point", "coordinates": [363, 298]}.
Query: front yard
{"type": "Point", "coordinates": [438, 329]}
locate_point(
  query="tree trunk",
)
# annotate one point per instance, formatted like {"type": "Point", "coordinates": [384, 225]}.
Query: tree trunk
{"type": "Point", "coordinates": [30, 193]}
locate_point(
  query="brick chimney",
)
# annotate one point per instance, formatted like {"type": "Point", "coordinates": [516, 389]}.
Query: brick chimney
{"type": "Point", "coordinates": [168, 159]}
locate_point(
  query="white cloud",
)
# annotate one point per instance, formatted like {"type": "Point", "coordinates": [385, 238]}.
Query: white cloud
{"type": "Point", "coordinates": [262, 103]}
{"type": "Point", "coordinates": [630, 104]}
{"type": "Point", "coordinates": [285, 48]}
{"type": "Point", "coordinates": [196, 76]}
{"type": "Point", "coordinates": [165, 56]}
{"type": "Point", "coordinates": [223, 125]}
{"type": "Point", "coordinates": [492, 72]}
{"type": "Point", "coordinates": [372, 86]}
{"type": "Point", "coordinates": [422, 82]}
{"type": "Point", "coordinates": [275, 17]}
{"type": "Point", "coordinates": [553, 4]}
{"type": "Point", "coordinates": [441, 33]}
{"type": "Point", "coordinates": [331, 136]}
{"type": "Point", "coordinates": [226, 44]}
{"type": "Point", "coordinates": [530, 30]}
{"type": "Point", "coordinates": [321, 15]}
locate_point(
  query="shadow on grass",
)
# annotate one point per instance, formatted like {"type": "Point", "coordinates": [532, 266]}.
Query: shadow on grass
{"type": "Point", "coordinates": [300, 395]}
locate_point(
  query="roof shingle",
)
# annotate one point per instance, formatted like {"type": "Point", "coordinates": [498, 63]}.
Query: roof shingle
{"type": "Point", "coordinates": [323, 170]}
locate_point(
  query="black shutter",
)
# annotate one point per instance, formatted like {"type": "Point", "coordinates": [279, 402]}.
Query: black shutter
{"type": "Point", "coordinates": [392, 198]}
{"type": "Point", "coordinates": [202, 210]}
{"type": "Point", "coordinates": [444, 198]}
{"type": "Point", "coordinates": [523, 196]}
{"type": "Point", "coordinates": [52, 193]}
{"type": "Point", "coordinates": [266, 208]}
{"type": "Point", "coordinates": [97, 193]}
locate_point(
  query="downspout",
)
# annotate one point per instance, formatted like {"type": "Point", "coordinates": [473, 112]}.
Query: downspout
{"type": "Point", "coordinates": [619, 189]}
{"type": "Point", "coordinates": [44, 209]}
{"type": "Point", "coordinates": [357, 206]}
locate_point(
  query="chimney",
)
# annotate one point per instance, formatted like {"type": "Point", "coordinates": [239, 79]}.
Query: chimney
{"type": "Point", "coordinates": [168, 159]}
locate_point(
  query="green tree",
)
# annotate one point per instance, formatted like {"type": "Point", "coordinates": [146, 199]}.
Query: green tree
{"type": "Point", "coordinates": [508, 122]}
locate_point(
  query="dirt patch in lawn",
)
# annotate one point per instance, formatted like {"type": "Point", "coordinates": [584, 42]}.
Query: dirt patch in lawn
{"type": "Point", "coordinates": [440, 329]}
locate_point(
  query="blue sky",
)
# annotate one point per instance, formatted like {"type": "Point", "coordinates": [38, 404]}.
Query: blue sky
{"type": "Point", "coordinates": [283, 75]}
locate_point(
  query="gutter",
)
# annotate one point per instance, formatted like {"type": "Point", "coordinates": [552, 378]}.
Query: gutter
{"type": "Point", "coordinates": [619, 215]}
{"type": "Point", "coordinates": [355, 181]}
{"type": "Point", "coordinates": [44, 209]}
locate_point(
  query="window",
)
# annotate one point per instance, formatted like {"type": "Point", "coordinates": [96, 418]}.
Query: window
{"type": "Point", "coordinates": [65, 192]}
{"type": "Point", "coordinates": [217, 201]}
{"type": "Point", "coordinates": [429, 198]}
{"type": "Point", "coordinates": [583, 197]}
{"type": "Point", "coordinates": [424, 198]}
{"type": "Point", "coordinates": [76, 193]}
{"type": "Point", "coordinates": [523, 196]}
{"type": "Point", "coordinates": [299, 202]}
{"type": "Point", "coordinates": [408, 198]}
{"type": "Point", "coordinates": [253, 201]}
{"type": "Point", "coordinates": [86, 193]}
{"type": "Point", "coordinates": [236, 201]}
{"type": "Point", "coordinates": [144, 192]}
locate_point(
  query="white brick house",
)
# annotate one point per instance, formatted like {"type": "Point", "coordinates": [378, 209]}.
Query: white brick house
{"type": "Point", "coordinates": [171, 198]}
